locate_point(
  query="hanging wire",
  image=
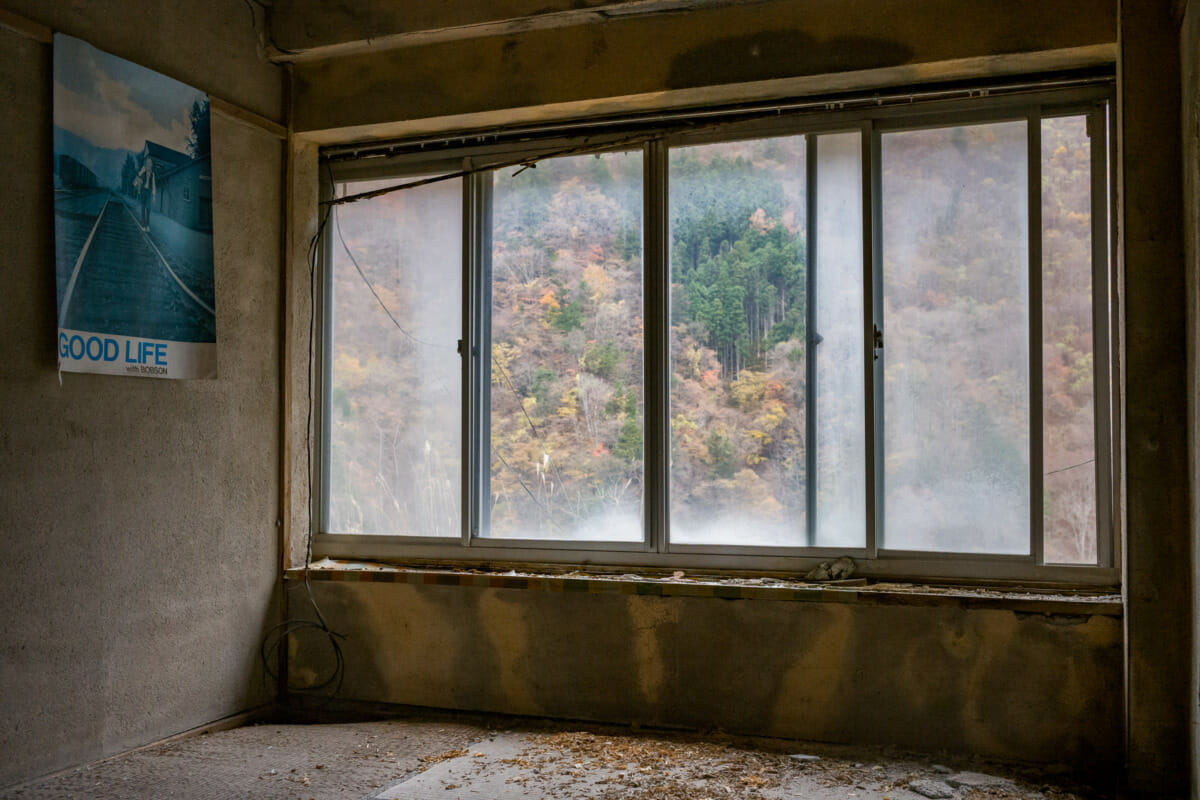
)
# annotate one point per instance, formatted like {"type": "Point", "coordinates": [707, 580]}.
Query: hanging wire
{"type": "Point", "coordinates": [524, 163]}
{"type": "Point", "coordinates": [1073, 466]}
{"type": "Point", "coordinates": [272, 648]}
{"type": "Point", "coordinates": [331, 208]}
{"type": "Point", "coordinates": [337, 225]}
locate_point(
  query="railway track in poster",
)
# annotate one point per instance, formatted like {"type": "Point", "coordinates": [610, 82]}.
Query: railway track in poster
{"type": "Point", "coordinates": [122, 283]}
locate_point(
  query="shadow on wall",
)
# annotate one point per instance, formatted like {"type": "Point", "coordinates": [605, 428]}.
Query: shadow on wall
{"type": "Point", "coordinates": [1027, 687]}
{"type": "Point", "coordinates": [763, 56]}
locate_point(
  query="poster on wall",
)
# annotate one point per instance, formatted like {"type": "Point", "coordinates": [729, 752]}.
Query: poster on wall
{"type": "Point", "coordinates": [132, 219]}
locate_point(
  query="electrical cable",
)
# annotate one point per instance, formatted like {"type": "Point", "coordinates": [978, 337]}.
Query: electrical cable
{"type": "Point", "coordinates": [337, 226]}
{"type": "Point", "coordinates": [526, 162]}
{"type": "Point", "coordinates": [1073, 466]}
{"type": "Point", "coordinates": [331, 206]}
{"type": "Point", "coordinates": [278, 635]}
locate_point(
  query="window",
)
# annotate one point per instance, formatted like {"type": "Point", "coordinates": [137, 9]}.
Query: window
{"type": "Point", "coordinates": [881, 331]}
{"type": "Point", "coordinates": [564, 424]}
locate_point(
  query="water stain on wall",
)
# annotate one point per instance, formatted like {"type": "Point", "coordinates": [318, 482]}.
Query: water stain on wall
{"type": "Point", "coordinates": [770, 54]}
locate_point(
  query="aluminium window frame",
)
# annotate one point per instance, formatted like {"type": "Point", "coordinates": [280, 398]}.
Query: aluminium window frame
{"type": "Point", "coordinates": [655, 550]}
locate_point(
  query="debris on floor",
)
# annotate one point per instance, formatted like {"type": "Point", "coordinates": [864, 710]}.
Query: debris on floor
{"type": "Point", "coordinates": [933, 789]}
{"type": "Point", "coordinates": [455, 757]}
{"type": "Point", "coordinates": [597, 765]}
{"type": "Point", "coordinates": [831, 570]}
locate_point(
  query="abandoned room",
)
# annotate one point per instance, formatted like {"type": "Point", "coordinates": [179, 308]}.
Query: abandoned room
{"type": "Point", "coordinates": [605, 399]}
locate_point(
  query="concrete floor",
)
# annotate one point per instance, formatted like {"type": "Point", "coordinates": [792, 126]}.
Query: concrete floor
{"type": "Point", "coordinates": [455, 757]}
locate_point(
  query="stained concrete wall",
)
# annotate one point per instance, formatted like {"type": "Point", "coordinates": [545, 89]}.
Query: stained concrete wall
{"type": "Point", "coordinates": [137, 516]}
{"type": "Point", "coordinates": [1158, 549]}
{"type": "Point", "coordinates": [732, 53]}
{"type": "Point", "coordinates": [1030, 687]}
{"type": "Point", "coordinates": [1189, 40]}
{"type": "Point", "coordinates": [301, 26]}
{"type": "Point", "coordinates": [987, 681]}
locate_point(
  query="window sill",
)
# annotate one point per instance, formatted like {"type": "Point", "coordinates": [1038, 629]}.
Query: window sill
{"type": "Point", "coordinates": [855, 591]}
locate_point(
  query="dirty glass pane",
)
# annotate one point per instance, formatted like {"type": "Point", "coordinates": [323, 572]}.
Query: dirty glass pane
{"type": "Point", "coordinates": [395, 388]}
{"type": "Point", "coordinates": [737, 374]}
{"type": "Point", "coordinates": [956, 350]}
{"type": "Point", "coordinates": [566, 356]}
{"type": "Point", "coordinates": [1068, 405]}
{"type": "Point", "coordinates": [840, 401]}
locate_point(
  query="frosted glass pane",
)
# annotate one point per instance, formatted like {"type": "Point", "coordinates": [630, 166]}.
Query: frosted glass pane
{"type": "Point", "coordinates": [1068, 406]}
{"type": "Point", "coordinates": [840, 402]}
{"type": "Point", "coordinates": [956, 352]}
{"type": "Point", "coordinates": [395, 387]}
{"type": "Point", "coordinates": [566, 356]}
{"type": "Point", "coordinates": [738, 317]}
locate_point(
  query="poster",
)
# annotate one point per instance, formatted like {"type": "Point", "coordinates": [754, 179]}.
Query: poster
{"type": "Point", "coordinates": [132, 219]}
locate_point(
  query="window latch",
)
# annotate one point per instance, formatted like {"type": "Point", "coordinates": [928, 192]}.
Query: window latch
{"type": "Point", "coordinates": [878, 342]}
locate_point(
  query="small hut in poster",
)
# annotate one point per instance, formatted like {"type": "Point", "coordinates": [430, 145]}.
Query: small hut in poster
{"type": "Point", "coordinates": [132, 219]}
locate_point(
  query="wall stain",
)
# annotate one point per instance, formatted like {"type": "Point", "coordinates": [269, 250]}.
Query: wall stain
{"type": "Point", "coordinates": [984, 681]}
{"type": "Point", "coordinates": [774, 54]}
{"type": "Point", "coordinates": [646, 616]}
{"type": "Point", "coordinates": [504, 623]}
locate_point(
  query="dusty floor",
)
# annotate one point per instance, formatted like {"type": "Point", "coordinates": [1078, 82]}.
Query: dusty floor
{"type": "Point", "coordinates": [487, 758]}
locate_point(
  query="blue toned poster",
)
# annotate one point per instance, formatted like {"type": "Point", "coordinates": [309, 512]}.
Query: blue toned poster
{"type": "Point", "coordinates": [132, 219]}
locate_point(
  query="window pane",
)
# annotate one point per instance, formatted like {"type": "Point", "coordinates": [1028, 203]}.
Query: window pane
{"type": "Point", "coordinates": [738, 273]}
{"type": "Point", "coordinates": [395, 386]}
{"type": "Point", "coordinates": [1069, 437]}
{"type": "Point", "coordinates": [566, 385]}
{"type": "Point", "coordinates": [840, 402]}
{"type": "Point", "coordinates": [956, 357]}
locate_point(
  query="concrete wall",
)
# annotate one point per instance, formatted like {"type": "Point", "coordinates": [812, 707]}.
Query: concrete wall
{"type": "Point", "coordinates": [1158, 548]}
{"type": "Point", "coordinates": [1189, 39]}
{"type": "Point", "coordinates": [727, 54]}
{"type": "Point", "coordinates": [137, 516]}
{"type": "Point", "coordinates": [304, 28]}
{"type": "Point", "coordinates": [1029, 687]}
{"type": "Point", "coordinates": [988, 681]}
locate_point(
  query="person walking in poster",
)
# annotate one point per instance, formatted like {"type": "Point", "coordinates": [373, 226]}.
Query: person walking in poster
{"type": "Point", "coordinates": [143, 185]}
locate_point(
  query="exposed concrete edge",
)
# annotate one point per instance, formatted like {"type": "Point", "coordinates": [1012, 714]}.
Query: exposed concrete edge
{"type": "Point", "coordinates": [256, 714]}
{"type": "Point", "coordinates": [623, 9]}
{"type": "Point", "coordinates": [908, 74]}
{"type": "Point", "coordinates": [1021, 602]}
{"type": "Point", "coordinates": [26, 27]}
{"type": "Point", "coordinates": [247, 118]}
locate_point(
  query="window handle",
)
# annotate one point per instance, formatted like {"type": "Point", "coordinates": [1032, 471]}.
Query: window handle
{"type": "Point", "coordinates": [817, 338]}
{"type": "Point", "coordinates": [878, 342]}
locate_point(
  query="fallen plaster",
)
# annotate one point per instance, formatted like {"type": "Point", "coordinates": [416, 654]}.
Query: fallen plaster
{"type": "Point", "coordinates": [1104, 601]}
{"type": "Point", "coordinates": [424, 755]}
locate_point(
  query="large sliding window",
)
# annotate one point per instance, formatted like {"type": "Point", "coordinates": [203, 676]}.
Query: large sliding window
{"type": "Point", "coordinates": [883, 333]}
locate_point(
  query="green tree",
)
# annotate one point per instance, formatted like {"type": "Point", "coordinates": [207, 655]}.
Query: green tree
{"type": "Point", "coordinates": [199, 141]}
{"type": "Point", "coordinates": [720, 454]}
{"type": "Point", "coordinates": [629, 443]}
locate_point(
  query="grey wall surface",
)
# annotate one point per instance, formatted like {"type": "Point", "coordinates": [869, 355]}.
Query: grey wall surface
{"type": "Point", "coordinates": [765, 49]}
{"type": "Point", "coordinates": [1189, 40]}
{"type": "Point", "coordinates": [137, 516]}
{"type": "Point", "coordinates": [1158, 548]}
{"type": "Point", "coordinates": [988, 681]}
{"type": "Point", "coordinates": [1029, 687]}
